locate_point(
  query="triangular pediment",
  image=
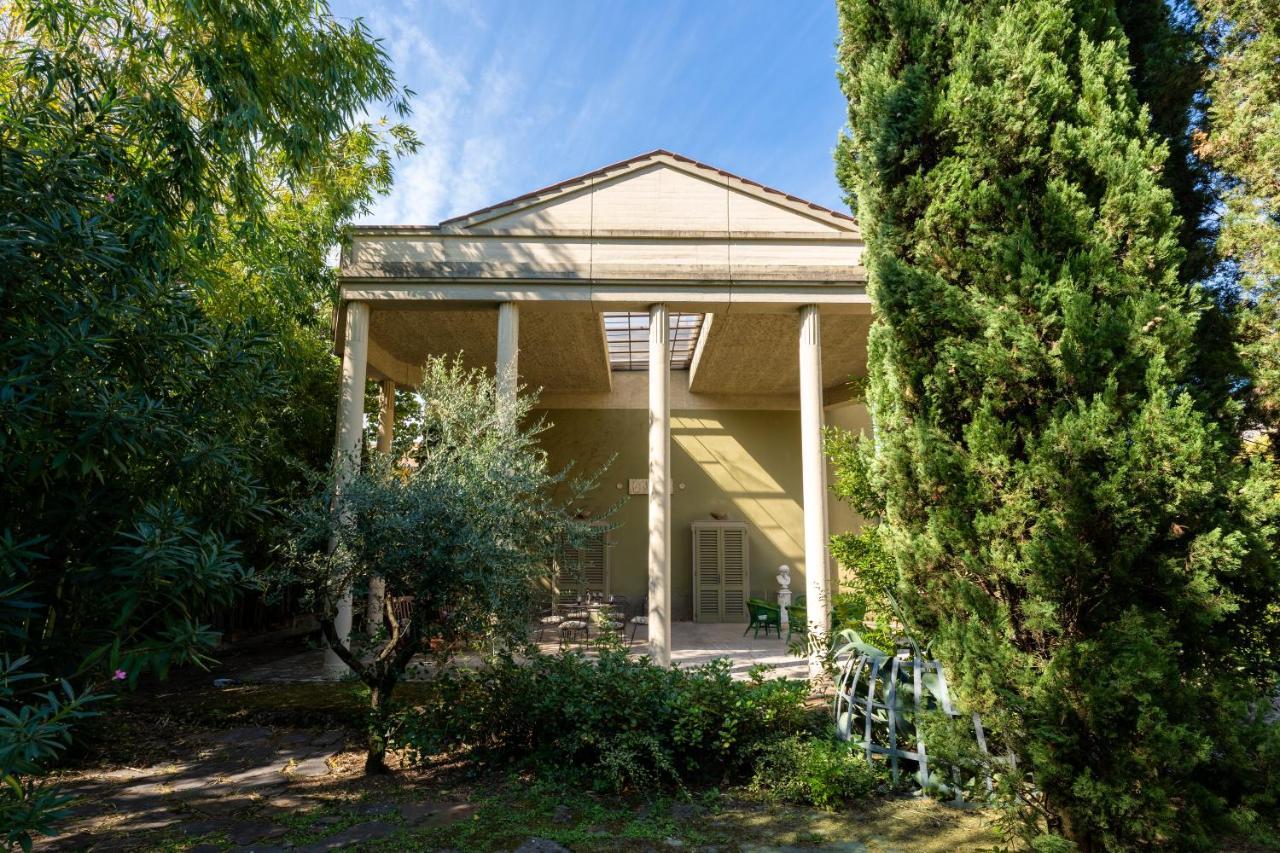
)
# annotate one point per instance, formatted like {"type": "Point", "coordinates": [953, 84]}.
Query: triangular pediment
{"type": "Point", "coordinates": [657, 192]}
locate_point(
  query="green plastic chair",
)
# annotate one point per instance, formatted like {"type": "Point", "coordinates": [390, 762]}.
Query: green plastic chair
{"type": "Point", "coordinates": [846, 611]}
{"type": "Point", "coordinates": [763, 615]}
{"type": "Point", "coordinates": [797, 620]}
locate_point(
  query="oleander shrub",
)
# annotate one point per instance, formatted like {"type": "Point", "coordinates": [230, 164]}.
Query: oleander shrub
{"type": "Point", "coordinates": [612, 723]}
{"type": "Point", "coordinates": [817, 771]}
{"type": "Point", "coordinates": [172, 178]}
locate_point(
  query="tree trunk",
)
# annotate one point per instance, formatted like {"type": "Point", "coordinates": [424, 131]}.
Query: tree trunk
{"type": "Point", "coordinates": [379, 725]}
{"type": "Point", "coordinates": [380, 677]}
{"type": "Point", "coordinates": [1074, 831]}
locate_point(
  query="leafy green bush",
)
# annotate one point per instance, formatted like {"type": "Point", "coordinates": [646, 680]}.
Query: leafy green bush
{"type": "Point", "coordinates": [870, 574]}
{"type": "Point", "coordinates": [816, 771]}
{"type": "Point", "coordinates": [1254, 788]}
{"type": "Point", "coordinates": [172, 177]}
{"type": "Point", "coordinates": [611, 723]}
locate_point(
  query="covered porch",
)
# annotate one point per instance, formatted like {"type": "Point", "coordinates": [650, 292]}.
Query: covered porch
{"type": "Point", "coordinates": [698, 643]}
{"type": "Point", "coordinates": [692, 644]}
{"type": "Point", "coordinates": [693, 327]}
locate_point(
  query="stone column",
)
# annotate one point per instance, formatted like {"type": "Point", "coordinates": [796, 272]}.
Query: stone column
{"type": "Point", "coordinates": [355, 357]}
{"type": "Point", "coordinates": [386, 430]}
{"type": "Point", "coordinates": [817, 599]}
{"type": "Point", "coordinates": [508, 368]}
{"type": "Point", "coordinates": [659, 486]}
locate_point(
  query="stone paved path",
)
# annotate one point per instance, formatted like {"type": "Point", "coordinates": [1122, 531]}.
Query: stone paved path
{"type": "Point", "coordinates": [245, 789]}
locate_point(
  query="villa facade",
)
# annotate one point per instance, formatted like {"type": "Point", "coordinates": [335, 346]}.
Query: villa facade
{"type": "Point", "coordinates": [694, 326]}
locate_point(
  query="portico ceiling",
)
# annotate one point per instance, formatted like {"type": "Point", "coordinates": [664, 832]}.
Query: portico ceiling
{"type": "Point", "coordinates": [564, 351]}
{"type": "Point", "coordinates": [756, 353]}
{"type": "Point", "coordinates": [561, 350]}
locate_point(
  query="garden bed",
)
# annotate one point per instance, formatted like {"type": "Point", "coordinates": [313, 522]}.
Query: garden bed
{"type": "Point", "coordinates": [280, 765]}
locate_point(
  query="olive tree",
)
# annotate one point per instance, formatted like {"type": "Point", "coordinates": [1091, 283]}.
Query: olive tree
{"type": "Point", "coordinates": [462, 529]}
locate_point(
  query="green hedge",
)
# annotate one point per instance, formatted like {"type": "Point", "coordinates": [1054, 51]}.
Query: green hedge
{"type": "Point", "coordinates": [610, 723]}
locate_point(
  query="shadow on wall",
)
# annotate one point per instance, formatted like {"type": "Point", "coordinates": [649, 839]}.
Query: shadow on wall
{"type": "Point", "coordinates": [756, 497]}
{"type": "Point", "coordinates": [744, 464]}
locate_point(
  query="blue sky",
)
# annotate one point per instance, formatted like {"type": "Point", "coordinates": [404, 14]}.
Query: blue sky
{"type": "Point", "coordinates": [512, 95]}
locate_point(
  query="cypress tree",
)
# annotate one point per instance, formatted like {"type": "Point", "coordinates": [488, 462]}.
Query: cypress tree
{"type": "Point", "coordinates": [1168, 64]}
{"type": "Point", "coordinates": [1241, 141]}
{"type": "Point", "coordinates": [1071, 529]}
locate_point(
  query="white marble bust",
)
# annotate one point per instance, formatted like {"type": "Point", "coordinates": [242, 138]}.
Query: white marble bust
{"type": "Point", "coordinates": [784, 577]}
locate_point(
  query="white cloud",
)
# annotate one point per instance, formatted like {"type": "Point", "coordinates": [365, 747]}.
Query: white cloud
{"type": "Point", "coordinates": [463, 120]}
{"type": "Point", "coordinates": [473, 186]}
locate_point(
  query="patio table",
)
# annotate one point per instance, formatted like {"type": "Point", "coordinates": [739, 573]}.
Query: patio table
{"type": "Point", "coordinates": [588, 611]}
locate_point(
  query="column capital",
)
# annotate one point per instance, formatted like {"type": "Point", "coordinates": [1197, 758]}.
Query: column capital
{"type": "Point", "coordinates": [357, 328]}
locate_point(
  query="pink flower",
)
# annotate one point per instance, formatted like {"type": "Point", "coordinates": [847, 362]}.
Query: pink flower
{"type": "Point", "coordinates": [120, 675]}
{"type": "Point", "coordinates": [111, 197]}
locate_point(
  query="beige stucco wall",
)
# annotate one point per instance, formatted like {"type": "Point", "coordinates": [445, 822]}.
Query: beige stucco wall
{"type": "Point", "coordinates": [742, 463]}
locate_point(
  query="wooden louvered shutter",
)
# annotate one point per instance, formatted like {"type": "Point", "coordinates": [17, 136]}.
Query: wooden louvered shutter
{"type": "Point", "coordinates": [706, 568]}
{"type": "Point", "coordinates": [595, 563]}
{"type": "Point", "coordinates": [733, 574]}
{"type": "Point", "coordinates": [585, 569]}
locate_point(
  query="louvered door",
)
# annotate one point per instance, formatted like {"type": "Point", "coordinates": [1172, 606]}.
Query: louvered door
{"type": "Point", "coordinates": [706, 574]}
{"type": "Point", "coordinates": [734, 574]}
{"type": "Point", "coordinates": [721, 571]}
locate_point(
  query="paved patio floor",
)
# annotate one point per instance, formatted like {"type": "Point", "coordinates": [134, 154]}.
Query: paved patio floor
{"type": "Point", "coordinates": [692, 644]}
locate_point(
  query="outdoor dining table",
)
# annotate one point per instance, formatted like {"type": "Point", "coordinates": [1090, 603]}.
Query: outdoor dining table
{"type": "Point", "coordinates": [586, 611]}
{"type": "Point", "coordinates": [590, 606]}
